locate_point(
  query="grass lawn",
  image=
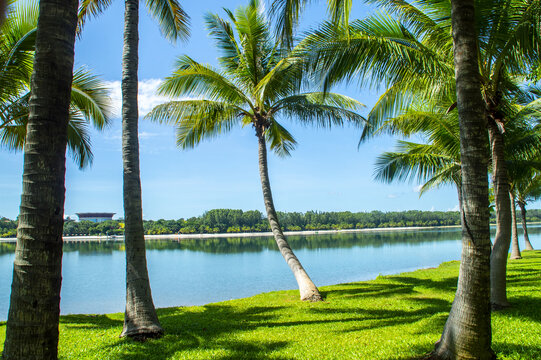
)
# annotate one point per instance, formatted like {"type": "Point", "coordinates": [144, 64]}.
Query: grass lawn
{"type": "Point", "coordinates": [392, 317]}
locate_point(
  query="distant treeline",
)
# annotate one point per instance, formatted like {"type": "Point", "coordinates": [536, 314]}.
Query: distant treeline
{"type": "Point", "coordinates": [235, 221]}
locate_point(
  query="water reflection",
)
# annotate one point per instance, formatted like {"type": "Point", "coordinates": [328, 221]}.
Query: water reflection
{"type": "Point", "coordinates": [235, 245]}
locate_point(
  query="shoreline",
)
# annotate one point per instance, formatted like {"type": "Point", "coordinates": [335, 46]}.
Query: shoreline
{"type": "Point", "coordinates": [180, 237]}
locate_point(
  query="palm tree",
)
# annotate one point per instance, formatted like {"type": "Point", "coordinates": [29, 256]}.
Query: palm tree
{"type": "Point", "coordinates": [438, 162]}
{"type": "Point", "coordinates": [32, 326]}
{"type": "Point", "coordinates": [467, 332]}
{"type": "Point", "coordinates": [140, 320]}
{"type": "Point", "coordinates": [412, 55]}
{"type": "Point", "coordinates": [256, 84]}
{"type": "Point", "coordinates": [524, 184]}
{"type": "Point", "coordinates": [528, 189]}
{"type": "Point", "coordinates": [411, 68]}
{"type": "Point", "coordinates": [89, 96]}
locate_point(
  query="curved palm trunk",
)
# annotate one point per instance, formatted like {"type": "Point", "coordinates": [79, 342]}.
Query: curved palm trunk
{"type": "Point", "coordinates": [307, 289]}
{"type": "Point", "coordinates": [515, 249]}
{"type": "Point", "coordinates": [502, 240]}
{"type": "Point", "coordinates": [467, 332]}
{"type": "Point", "coordinates": [527, 243]}
{"type": "Point", "coordinates": [140, 319]}
{"type": "Point", "coordinates": [32, 327]}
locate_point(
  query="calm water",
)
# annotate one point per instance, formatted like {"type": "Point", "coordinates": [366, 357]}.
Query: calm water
{"type": "Point", "coordinates": [195, 272]}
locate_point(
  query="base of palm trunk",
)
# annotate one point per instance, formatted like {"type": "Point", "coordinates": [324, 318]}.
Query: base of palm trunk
{"type": "Point", "coordinates": [142, 334]}
{"type": "Point", "coordinates": [515, 257]}
{"type": "Point", "coordinates": [307, 289]}
{"type": "Point", "coordinates": [445, 354]}
{"type": "Point", "coordinates": [499, 306]}
{"type": "Point", "coordinates": [528, 248]}
{"type": "Point", "coordinates": [312, 297]}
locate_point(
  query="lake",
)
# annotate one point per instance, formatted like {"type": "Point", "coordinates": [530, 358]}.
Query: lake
{"type": "Point", "coordinates": [201, 271]}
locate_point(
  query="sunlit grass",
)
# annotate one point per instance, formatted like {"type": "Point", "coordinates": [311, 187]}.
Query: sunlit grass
{"type": "Point", "coordinates": [392, 317]}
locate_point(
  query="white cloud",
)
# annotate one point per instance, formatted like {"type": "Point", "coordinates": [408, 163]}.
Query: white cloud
{"type": "Point", "coordinates": [456, 208]}
{"type": "Point", "coordinates": [417, 188]}
{"type": "Point", "coordinates": [147, 96]}
{"type": "Point", "coordinates": [392, 196]}
{"type": "Point", "coordinates": [432, 208]}
{"type": "Point", "coordinates": [117, 135]}
{"type": "Point", "coordinates": [146, 134]}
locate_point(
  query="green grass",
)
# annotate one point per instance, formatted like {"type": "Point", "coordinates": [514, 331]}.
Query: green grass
{"type": "Point", "coordinates": [392, 317]}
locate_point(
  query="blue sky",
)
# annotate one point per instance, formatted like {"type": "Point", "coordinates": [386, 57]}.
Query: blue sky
{"type": "Point", "coordinates": [326, 172]}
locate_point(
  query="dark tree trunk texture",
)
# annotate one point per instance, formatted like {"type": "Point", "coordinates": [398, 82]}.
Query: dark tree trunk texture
{"type": "Point", "coordinates": [515, 249]}
{"type": "Point", "coordinates": [527, 243]}
{"type": "Point", "coordinates": [140, 320]}
{"type": "Point", "coordinates": [467, 332]}
{"type": "Point", "coordinates": [32, 326]}
{"type": "Point", "coordinates": [308, 291]}
{"type": "Point", "coordinates": [502, 240]}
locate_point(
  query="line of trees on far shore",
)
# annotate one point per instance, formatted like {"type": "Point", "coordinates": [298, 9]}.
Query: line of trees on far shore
{"type": "Point", "coordinates": [237, 221]}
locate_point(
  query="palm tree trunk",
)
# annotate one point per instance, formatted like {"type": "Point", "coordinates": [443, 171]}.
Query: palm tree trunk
{"type": "Point", "coordinates": [32, 326]}
{"type": "Point", "coordinates": [467, 332]}
{"type": "Point", "coordinates": [140, 320]}
{"type": "Point", "coordinates": [308, 291]}
{"type": "Point", "coordinates": [502, 240]}
{"type": "Point", "coordinates": [527, 243]}
{"type": "Point", "coordinates": [515, 249]}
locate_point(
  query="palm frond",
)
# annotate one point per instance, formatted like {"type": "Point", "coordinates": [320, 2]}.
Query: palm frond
{"type": "Point", "coordinates": [281, 141]}
{"type": "Point", "coordinates": [172, 19]}
{"type": "Point", "coordinates": [412, 161]}
{"type": "Point", "coordinates": [196, 120]}
{"type": "Point", "coordinates": [196, 80]}
{"type": "Point", "coordinates": [321, 109]}
{"type": "Point", "coordinates": [224, 37]}
{"type": "Point", "coordinates": [90, 96]}
{"type": "Point", "coordinates": [79, 144]}
{"type": "Point", "coordinates": [89, 9]}
{"type": "Point", "coordinates": [286, 17]}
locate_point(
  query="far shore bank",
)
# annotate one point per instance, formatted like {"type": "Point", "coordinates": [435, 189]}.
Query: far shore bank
{"type": "Point", "coordinates": [180, 237]}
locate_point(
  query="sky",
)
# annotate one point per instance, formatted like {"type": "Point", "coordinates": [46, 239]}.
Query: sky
{"type": "Point", "coordinates": [326, 172]}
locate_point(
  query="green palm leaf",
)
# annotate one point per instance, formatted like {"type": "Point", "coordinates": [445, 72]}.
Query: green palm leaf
{"type": "Point", "coordinates": [89, 100]}
{"type": "Point", "coordinates": [173, 21]}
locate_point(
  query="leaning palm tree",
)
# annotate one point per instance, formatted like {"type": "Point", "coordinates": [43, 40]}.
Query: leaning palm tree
{"type": "Point", "coordinates": [32, 326]}
{"type": "Point", "coordinates": [140, 320]}
{"type": "Point", "coordinates": [257, 83]}
{"type": "Point", "coordinates": [89, 95]}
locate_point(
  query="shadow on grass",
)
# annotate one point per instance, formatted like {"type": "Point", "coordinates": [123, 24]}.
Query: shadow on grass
{"type": "Point", "coordinates": [517, 351]}
{"type": "Point", "coordinates": [89, 322]}
{"type": "Point", "coordinates": [222, 331]}
{"type": "Point", "coordinates": [191, 330]}
{"type": "Point", "coordinates": [524, 307]}
{"type": "Point", "coordinates": [227, 331]}
{"type": "Point", "coordinates": [399, 285]}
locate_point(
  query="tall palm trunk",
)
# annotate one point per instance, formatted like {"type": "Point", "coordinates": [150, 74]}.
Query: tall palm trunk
{"type": "Point", "coordinates": [307, 289]}
{"type": "Point", "coordinates": [515, 249]}
{"type": "Point", "coordinates": [32, 327]}
{"type": "Point", "coordinates": [502, 240]}
{"type": "Point", "coordinates": [527, 243]}
{"type": "Point", "coordinates": [467, 332]}
{"type": "Point", "coordinates": [140, 320]}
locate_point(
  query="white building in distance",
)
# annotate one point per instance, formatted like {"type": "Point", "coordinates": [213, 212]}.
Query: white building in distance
{"type": "Point", "coordinates": [95, 217]}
